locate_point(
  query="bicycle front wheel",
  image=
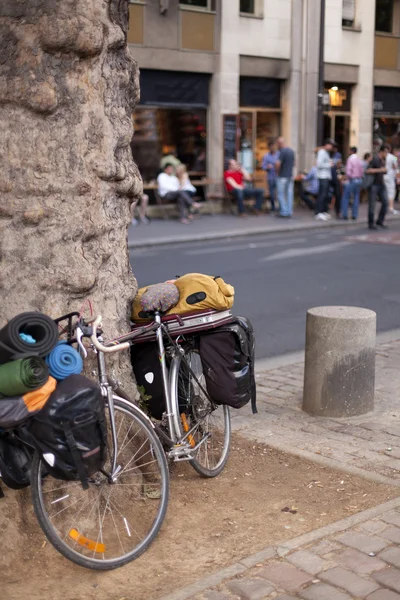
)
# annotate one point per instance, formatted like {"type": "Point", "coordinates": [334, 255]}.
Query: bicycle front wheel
{"type": "Point", "coordinates": [211, 424]}
{"type": "Point", "coordinates": [111, 523]}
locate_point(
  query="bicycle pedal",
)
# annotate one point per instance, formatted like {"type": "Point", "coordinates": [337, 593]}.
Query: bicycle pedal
{"type": "Point", "coordinates": [180, 453]}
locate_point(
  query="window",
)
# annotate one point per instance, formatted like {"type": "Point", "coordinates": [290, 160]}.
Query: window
{"type": "Point", "coordinates": [251, 8]}
{"type": "Point", "coordinates": [247, 6]}
{"type": "Point", "coordinates": [384, 16]}
{"type": "Point", "coordinates": [205, 4]}
{"type": "Point", "coordinates": [348, 13]}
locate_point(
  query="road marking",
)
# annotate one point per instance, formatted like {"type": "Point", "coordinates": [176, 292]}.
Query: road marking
{"type": "Point", "coordinates": [296, 252]}
{"type": "Point", "coordinates": [248, 246]}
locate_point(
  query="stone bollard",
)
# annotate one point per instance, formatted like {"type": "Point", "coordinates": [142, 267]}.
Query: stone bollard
{"type": "Point", "coordinates": [339, 375]}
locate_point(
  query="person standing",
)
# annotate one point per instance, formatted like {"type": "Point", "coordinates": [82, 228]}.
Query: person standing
{"type": "Point", "coordinates": [377, 167]}
{"type": "Point", "coordinates": [285, 185]}
{"type": "Point", "coordinates": [354, 173]}
{"type": "Point", "coordinates": [390, 179]}
{"type": "Point", "coordinates": [269, 165]}
{"type": "Point", "coordinates": [335, 181]}
{"type": "Point", "coordinates": [235, 178]}
{"type": "Point", "coordinates": [324, 169]}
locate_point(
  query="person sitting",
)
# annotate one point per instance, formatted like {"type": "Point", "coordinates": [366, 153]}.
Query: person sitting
{"type": "Point", "coordinates": [143, 204]}
{"type": "Point", "coordinates": [185, 184]}
{"type": "Point", "coordinates": [170, 190]}
{"type": "Point", "coordinates": [310, 187]}
{"type": "Point", "coordinates": [234, 179]}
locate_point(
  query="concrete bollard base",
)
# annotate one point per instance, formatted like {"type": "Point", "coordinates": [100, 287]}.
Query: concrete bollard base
{"type": "Point", "coordinates": [339, 375]}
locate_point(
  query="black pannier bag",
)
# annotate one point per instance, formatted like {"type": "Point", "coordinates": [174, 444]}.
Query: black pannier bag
{"type": "Point", "coordinates": [147, 369]}
{"type": "Point", "coordinates": [70, 430]}
{"type": "Point", "coordinates": [227, 356]}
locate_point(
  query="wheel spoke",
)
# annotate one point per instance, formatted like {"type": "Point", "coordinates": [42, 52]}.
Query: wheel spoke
{"type": "Point", "coordinates": [111, 522]}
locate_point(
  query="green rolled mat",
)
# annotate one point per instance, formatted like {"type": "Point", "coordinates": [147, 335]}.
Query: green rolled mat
{"type": "Point", "coordinates": [21, 376]}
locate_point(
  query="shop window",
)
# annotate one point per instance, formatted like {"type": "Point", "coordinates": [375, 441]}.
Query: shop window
{"type": "Point", "coordinates": [159, 131]}
{"type": "Point", "coordinates": [199, 4]}
{"type": "Point", "coordinates": [348, 13]}
{"type": "Point", "coordinates": [384, 16]}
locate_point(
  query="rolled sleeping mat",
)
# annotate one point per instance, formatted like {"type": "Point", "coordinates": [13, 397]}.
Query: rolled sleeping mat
{"type": "Point", "coordinates": [63, 361]}
{"type": "Point", "coordinates": [27, 334]}
{"type": "Point", "coordinates": [21, 376]}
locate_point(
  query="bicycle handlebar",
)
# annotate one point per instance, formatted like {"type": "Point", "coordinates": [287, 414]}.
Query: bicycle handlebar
{"type": "Point", "coordinates": [100, 346]}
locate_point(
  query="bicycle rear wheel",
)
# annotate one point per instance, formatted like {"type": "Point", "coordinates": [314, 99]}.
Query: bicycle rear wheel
{"type": "Point", "coordinates": [211, 423]}
{"type": "Point", "coordinates": [109, 524]}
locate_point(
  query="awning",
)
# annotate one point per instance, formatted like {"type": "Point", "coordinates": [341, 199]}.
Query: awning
{"type": "Point", "coordinates": [177, 89]}
{"type": "Point", "coordinates": [262, 92]}
{"type": "Point", "coordinates": [386, 100]}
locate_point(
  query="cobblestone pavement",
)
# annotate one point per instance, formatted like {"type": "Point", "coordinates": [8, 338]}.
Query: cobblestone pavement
{"type": "Point", "coordinates": [355, 558]}
{"type": "Point", "coordinates": [368, 445]}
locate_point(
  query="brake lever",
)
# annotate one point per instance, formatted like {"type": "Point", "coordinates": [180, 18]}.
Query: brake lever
{"type": "Point", "coordinates": [79, 336]}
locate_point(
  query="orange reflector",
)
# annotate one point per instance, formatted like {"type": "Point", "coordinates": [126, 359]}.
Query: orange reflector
{"type": "Point", "coordinates": [186, 429]}
{"type": "Point", "coordinates": [84, 541]}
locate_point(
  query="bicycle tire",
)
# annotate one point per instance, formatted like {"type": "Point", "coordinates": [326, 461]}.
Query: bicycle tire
{"type": "Point", "coordinates": [79, 555]}
{"type": "Point", "coordinates": [201, 411]}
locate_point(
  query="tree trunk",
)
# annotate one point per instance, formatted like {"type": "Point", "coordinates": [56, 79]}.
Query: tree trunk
{"type": "Point", "coordinates": [67, 90]}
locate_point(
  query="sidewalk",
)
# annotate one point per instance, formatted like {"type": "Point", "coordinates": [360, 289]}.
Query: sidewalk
{"type": "Point", "coordinates": [357, 557]}
{"type": "Point", "coordinates": [219, 226]}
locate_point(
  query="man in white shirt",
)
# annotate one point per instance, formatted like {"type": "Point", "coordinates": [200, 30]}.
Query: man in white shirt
{"type": "Point", "coordinates": [170, 190]}
{"type": "Point", "coordinates": [324, 174]}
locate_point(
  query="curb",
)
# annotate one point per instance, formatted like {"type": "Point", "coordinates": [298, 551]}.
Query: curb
{"type": "Point", "coordinates": [201, 237]}
{"type": "Point", "coordinates": [279, 550]}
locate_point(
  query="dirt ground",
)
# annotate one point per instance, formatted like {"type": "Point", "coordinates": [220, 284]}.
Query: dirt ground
{"type": "Point", "coordinates": [210, 524]}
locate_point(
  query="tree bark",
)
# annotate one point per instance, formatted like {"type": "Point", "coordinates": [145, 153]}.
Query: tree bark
{"type": "Point", "coordinates": [68, 87]}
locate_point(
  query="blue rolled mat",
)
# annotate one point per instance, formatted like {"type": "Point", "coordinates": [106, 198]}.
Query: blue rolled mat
{"type": "Point", "coordinates": [63, 361]}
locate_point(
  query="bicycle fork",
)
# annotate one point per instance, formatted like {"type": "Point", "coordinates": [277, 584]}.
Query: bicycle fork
{"type": "Point", "coordinates": [108, 392]}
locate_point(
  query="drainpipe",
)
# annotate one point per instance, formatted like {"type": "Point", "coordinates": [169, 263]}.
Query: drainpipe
{"type": "Point", "coordinates": [320, 117]}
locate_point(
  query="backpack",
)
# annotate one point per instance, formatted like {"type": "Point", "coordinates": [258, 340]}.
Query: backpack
{"type": "Point", "coordinates": [227, 356]}
{"type": "Point", "coordinates": [197, 292]}
{"type": "Point", "coordinates": [147, 369]}
{"type": "Point", "coordinates": [70, 430]}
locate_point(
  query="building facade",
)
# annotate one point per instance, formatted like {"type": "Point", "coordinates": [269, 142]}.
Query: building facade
{"type": "Point", "coordinates": [220, 78]}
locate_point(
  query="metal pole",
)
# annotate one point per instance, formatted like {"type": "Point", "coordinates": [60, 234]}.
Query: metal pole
{"type": "Point", "coordinates": [320, 117]}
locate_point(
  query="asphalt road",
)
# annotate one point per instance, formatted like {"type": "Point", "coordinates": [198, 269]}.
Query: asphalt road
{"type": "Point", "coordinates": [278, 277]}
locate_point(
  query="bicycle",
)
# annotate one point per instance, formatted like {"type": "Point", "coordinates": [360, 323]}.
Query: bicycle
{"type": "Point", "coordinates": [116, 519]}
{"type": "Point", "coordinates": [194, 428]}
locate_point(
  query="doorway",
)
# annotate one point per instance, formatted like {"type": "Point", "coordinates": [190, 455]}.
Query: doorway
{"type": "Point", "coordinates": [337, 127]}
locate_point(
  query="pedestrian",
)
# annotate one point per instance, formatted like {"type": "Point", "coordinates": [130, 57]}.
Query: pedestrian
{"type": "Point", "coordinates": [235, 178]}
{"type": "Point", "coordinates": [335, 181]}
{"type": "Point", "coordinates": [143, 204]}
{"type": "Point", "coordinates": [354, 173]}
{"type": "Point", "coordinates": [285, 184]}
{"type": "Point", "coordinates": [309, 189]}
{"type": "Point", "coordinates": [324, 169]}
{"type": "Point", "coordinates": [269, 165]}
{"type": "Point", "coordinates": [169, 189]}
{"type": "Point", "coordinates": [377, 167]}
{"type": "Point", "coordinates": [390, 179]}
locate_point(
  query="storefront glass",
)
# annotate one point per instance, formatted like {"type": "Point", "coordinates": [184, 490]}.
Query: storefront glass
{"type": "Point", "coordinates": [257, 128]}
{"type": "Point", "coordinates": [386, 131]}
{"type": "Point", "coordinates": [160, 131]}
